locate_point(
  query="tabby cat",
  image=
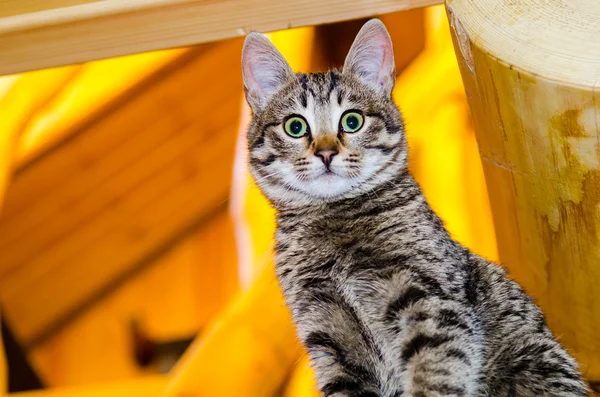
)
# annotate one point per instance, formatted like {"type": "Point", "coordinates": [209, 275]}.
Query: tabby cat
{"type": "Point", "coordinates": [385, 301]}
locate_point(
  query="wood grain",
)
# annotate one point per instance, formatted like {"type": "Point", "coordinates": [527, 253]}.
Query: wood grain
{"type": "Point", "coordinates": [88, 92]}
{"type": "Point", "coordinates": [16, 7]}
{"type": "Point", "coordinates": [111, 28]}
{"type": "Point", "coordinates": [18, 104]}
{"type": "Point", "coordinates": [530, 70]}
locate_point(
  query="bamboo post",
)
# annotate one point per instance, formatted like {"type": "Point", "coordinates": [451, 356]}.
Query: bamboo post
{"type": "Point", "coordinates": [531, 70]}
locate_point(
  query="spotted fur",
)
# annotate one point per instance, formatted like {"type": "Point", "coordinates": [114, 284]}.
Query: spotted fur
{"type": "Point", "coordinates": [386, 302]}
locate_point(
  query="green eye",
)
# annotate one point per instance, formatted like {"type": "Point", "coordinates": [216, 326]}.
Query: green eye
{"type": "Point", "coordinates": [296, 127]}
{"type": "Point", "coordinates": [351, 122]}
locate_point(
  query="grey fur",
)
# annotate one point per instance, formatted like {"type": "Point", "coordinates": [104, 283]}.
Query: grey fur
{"type": "Point", "coordinates": [386, 302]}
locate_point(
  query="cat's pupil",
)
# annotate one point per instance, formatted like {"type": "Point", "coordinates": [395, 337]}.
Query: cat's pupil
{"type": "Point", "coordinates": [352, 122]}
{"type": "Point", "coordinates": [296, 127]}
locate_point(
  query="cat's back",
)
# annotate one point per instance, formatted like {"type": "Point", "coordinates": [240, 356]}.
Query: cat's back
{"type": "Point", "coordinates": [518, 346]}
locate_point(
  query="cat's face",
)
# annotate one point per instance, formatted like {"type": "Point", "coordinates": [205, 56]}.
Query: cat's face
{"type": "Point", "coordinates": [326, 136]}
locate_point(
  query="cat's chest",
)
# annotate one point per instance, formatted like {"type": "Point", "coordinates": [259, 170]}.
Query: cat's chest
{"type": "Point", "coordinates": [362, 297]}
{"type": "Point", "coordinates": [350, 274]}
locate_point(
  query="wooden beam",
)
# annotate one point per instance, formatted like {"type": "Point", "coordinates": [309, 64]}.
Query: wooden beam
{"type": "Point", "coordinates": [111, 28]}
{"type": "Point", "coordinates": [119, 191]}
{"type": "Point", "coordinates": [61, 114]}
{"type": "Point", "coordinates": [19, 102]}
{"type": "Point", "coordinates": [16, 7]}
{"type": "Point", "coordinates": [531, 70]}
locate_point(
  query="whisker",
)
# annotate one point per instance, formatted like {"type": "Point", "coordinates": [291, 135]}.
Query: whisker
{"type": "Point", "coordinates": [257, 181]}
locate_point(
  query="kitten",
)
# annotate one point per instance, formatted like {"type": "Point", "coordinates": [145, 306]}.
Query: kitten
{"type": "Point", "coordinates": [386, 302]}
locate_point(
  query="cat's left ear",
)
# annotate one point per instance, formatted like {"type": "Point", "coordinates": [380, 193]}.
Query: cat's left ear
{"type": "Point", "coordinates": [371, 57]}
{"type": "Point", "coordinates": [264, 70]}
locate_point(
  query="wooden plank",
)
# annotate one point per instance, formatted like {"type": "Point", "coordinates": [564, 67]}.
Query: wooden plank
{"type": "Point", "coordinates": [16, 7]}
{"type": "Point", "coordinates": [151, 386]}
{"type": "Point", "coordinates": [98, 252]}
{"type": "Point", "coordinates": [112, 164]}
{"type": "Point", "coordinates": [533, 91]}
{"type": "Point", "coordinates": [67, 176]}
{"type": "Point", "coordinates": [124, 215]}
{"type": "Point", "coordinates": [29, 185]}
{"type": "Point", "coordinates": [18, 104]}
{"type": "Point", "coordinates": [84, 96]}
{"type": "Point", "coordinates": [116, 27]}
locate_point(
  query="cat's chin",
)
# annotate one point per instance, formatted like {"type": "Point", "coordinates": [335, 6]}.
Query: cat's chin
{"type": "Point", "coordinates": [328, 186]}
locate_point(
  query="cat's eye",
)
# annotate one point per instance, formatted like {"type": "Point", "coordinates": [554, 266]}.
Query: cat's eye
{"type": "Point", "coordinates": [296, 127]}
{"type": "Point", "coordinates": [351, 121]}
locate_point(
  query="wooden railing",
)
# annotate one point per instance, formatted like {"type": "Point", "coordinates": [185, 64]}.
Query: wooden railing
{"type": "Point", "coordinates": [61, 32]}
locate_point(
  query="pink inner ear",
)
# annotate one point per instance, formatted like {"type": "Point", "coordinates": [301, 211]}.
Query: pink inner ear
{"type": "Point", "coordinates": [371, 55]}
{"type": "Point", "coordinates": [264, 69]}
{"type": "Point", "coordinates": [251, 60]}
{"type": "Point", "coordinates": [255, 88]}
{"type": "Point", "coordinates": [387, 59]}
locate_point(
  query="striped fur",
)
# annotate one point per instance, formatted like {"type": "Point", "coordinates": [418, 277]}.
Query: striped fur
{"type": "Point", "coordinates": [386, 302]}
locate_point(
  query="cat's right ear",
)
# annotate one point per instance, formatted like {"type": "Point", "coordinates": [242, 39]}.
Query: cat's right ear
{"type": "Point", "coordinates": [371, 57]}
{"type": "Point", "coordinates": [264, 70]}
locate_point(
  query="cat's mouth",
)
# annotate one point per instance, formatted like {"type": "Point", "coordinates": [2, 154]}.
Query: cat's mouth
{"type": "Point", "coordinates": [328, 174]}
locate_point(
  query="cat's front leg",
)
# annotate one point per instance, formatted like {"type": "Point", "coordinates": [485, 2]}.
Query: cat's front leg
{"type": "Point", "coordinates": [339, 350]}
{"type": "Point", "coordinates": [441, 351]}
{"type": "Point", "coordinates": [340, 372]}
{"type": "Point", "coordinates": [336, 375]}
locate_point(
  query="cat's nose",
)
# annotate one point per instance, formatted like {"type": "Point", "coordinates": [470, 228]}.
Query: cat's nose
{"type": "Point", "coordinates": [326, 155]}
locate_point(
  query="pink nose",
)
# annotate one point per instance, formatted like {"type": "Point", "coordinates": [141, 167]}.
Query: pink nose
{"type": "Point", "coordinates": [326, 155]}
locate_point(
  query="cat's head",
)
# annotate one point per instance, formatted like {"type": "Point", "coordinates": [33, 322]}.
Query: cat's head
{"type": "Point", "coordinates": [323, 137]}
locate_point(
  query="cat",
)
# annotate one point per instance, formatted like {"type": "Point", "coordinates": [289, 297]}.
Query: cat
{"type": "Point", "coordinates": [385, 301]}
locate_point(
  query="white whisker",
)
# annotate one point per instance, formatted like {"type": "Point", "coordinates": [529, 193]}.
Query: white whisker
{"type": "Point", "coordinates": [257, 181]}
